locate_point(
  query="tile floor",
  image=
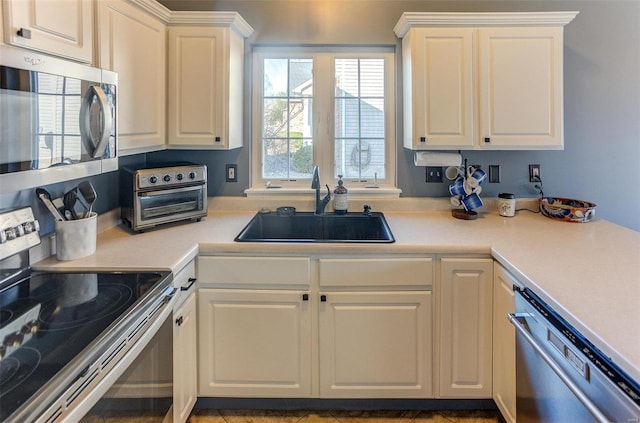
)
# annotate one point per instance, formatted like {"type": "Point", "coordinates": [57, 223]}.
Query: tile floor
{"type": "Point", "coordinates": [340, 416]}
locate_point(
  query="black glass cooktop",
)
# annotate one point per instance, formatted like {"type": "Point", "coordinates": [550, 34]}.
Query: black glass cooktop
{"type": "Point", "coordinates": [47, 319]}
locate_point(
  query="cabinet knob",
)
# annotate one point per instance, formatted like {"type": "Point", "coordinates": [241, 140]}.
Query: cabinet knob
{"type": "Point", "coordinates": [24, 33]}
{"type": "Point", "coordinates": [305, 297]}
{"type": "Point", "coordinates": [323, 298]}
{"type": "Point", "coordinates": [218, 139]}
{"type": "Point", "coordinates": [179, 321]}
{"type": "Point", "coordinates": [423, 139]}
{"type": "Point", "coordinates": [487, 139]}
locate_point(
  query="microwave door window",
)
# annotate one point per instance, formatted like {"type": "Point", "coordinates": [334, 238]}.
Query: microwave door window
{"type": "Point", "coordinates": [18, 146]}
{"type": "Point", "coordinates": [39, 120]}
{"type": "Point", "coordinates": [58, 127]}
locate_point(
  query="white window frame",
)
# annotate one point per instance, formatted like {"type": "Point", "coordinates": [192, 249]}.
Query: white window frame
{"type": "Point", "coordinates": [323, 121]}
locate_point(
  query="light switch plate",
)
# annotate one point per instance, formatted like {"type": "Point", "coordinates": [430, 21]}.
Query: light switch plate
{"type": "Point", "coordinates": [494, 174]}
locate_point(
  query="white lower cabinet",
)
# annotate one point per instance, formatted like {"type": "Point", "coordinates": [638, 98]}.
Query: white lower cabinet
{"type": "Point", "coordinates": [254, 343]}
{"type": "Point", "coordinates": [464, 326]}
{"type": "Point", "coordinates": [375, 345]}
{"type": "Point", "coordinates": [185, 363]}
{"type": "Point", "coordinates": [185, 370]}
{"type": "Point", "coordinates": [504, 344]}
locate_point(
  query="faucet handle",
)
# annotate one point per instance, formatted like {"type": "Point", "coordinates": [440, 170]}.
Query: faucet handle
{"type": "Point", "coordinates": [367, 210]}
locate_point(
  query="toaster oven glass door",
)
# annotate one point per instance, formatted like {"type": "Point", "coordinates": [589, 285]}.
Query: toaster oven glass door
{"type": "Point", "coordinates": [161, 206]}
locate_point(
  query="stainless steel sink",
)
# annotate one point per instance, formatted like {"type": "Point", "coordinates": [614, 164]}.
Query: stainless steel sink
{"type": "Point", "coordinates": [309, 227]}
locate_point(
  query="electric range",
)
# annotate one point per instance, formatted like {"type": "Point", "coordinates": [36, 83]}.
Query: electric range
{"type": "Point", "coordinates": [53, 325]}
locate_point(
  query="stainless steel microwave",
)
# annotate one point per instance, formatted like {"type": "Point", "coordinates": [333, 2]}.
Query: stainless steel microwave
{"type": "Point", "coordinates": [58, 120]}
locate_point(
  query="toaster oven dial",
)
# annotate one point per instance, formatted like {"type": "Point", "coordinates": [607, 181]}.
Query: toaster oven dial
{"type": "Point", "coordinates": [192, 175]}
{"type": "Point", "coordinates": [166, 178]}
{"type": "Point", "coordinates": [179, 176]}
{"type": "Point", "coordinates": [153, 179]}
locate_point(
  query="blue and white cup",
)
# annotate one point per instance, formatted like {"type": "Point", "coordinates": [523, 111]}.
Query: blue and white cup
{"type": "Point", "coordinates": [475, 176]}
{"type": "Point", "coordinates": [454, 172]}
{"type": "Point", "coordinates": [471, 201]}
{"type": "Point", "coordinates": [455, 201]}
{"type": "Point", "coordinates": [457, 188]}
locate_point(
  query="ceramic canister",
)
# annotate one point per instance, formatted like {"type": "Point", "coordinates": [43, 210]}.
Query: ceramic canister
{"type": "Point", "coordinates": [506, 204]}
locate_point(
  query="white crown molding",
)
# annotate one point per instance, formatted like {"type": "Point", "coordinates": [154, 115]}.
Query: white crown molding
{"type": "Point", "coordinates": [206, 18]}
{"type": "Point", "coordinates": [232, 20]}
{"type": "Point", "coordinates": [410, 20]}
{"type": "Point", "coordinates": [153, 8]}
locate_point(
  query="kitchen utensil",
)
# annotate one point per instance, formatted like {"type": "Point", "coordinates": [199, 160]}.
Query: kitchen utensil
{"type": "Point", "coordinates": [45, 197]}
{"type": "Point", "coordinates": [567, 209]}
{"type": "Point", "coordinates": [88, 194]}
{"type": "Point", "coordinates": [69, 200]}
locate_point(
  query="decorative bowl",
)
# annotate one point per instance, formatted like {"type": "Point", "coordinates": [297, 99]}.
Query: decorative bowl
{"type": "Point", "coordinates": [567, 209]}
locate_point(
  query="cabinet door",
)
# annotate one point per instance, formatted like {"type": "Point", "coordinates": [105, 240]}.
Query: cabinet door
{"type": "Point", "coordinates": [465, 313]}
{"type": "Point", "coordinates": [205, 87]}
{"type": "Point", "coordinates": [376, 345]}
{"type": "Point", "coordinates": [504, 344]}
{"type": "Point", "coordinates": [133, 44]}
{"type": "Point", "coordinates": [520, 77]}
{"type": "Point", "coordinates": [441, 85]}
{"type": "Point", "coordinates": [59, 27]}
{"type": "Point", "coordinates": [185, 370]}
{"type": "Point", "coordinates": [254, 343]}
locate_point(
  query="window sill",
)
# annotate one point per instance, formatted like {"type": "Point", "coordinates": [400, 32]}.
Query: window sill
{"type": "Point", "coordinates": [381, 192]}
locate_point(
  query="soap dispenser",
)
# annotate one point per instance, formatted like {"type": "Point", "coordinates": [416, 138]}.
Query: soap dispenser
{"type": "Point", "coordinates": [340, 200]}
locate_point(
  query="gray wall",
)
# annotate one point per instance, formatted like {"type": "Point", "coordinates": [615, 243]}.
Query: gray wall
{"type": "Point", "coordinates": [601, 93]}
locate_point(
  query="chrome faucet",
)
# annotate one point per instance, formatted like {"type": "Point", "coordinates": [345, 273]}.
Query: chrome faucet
{"type": "Point", "coordinates": [315, 184]}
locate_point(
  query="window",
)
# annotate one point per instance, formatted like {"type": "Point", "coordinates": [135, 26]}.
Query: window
{"type": "Point", "coordinates": [332, 109]}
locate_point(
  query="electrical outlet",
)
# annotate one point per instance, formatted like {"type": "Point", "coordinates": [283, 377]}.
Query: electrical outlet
{"type": "Point", "coordinates": [433, 174]}
{"type": "Point", "coordinates": [534, 173]}
{"type": "Point", "coordinates": [232, 173]}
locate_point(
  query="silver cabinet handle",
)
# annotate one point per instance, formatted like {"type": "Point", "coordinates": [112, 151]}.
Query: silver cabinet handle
{"type": "Point", "coordinates": [516, 321]}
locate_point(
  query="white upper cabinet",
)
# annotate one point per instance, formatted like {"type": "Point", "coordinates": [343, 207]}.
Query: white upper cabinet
{"type": "Point", "coordinates": [206, 75]}
{"type": "Point", "coordinates": [483, 80]}
{"type": "Point", "coordinates": [133, 44]}
{"type": "Point", "coordinates": [59, 27]}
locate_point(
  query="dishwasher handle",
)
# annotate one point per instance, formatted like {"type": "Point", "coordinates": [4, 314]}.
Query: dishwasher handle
{"type": "Point", "coordinates": [517, 320]}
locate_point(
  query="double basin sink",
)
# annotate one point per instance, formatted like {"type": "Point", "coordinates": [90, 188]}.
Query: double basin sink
{"type": "Point", "coordinates": [309, 227]}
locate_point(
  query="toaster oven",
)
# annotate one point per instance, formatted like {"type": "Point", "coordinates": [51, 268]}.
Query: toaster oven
{"type": "Point", "coordinates": [155, 195]}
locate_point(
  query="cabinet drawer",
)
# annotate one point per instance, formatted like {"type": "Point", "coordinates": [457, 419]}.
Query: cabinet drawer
{"type": "Point", "coordinates": [254, 270]}
{"type": "Point", "coordinates": [184, 281]}
{"type": "Point", "coordinates": [376, 272]}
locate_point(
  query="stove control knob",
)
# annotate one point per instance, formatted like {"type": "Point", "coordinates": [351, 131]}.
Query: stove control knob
{"type": "Point", "coordinates": [179, 176]}
{"type": "Point", "coordinates": [3, 237]}
{"type": "Point", "coordinates": [192, 175]}
{"type": "Point", "coordinates": [29, 227]}
{"type": "Point", "coordinates": [153, 179]}
{"type": "Point", "coordinates": [20, 230]}
{"type": "Point", "coordinates": [3, 351]}
{"type": "Point", "coordinates": [166, 178]}
{"type": "Point", "coordinates": [11, 234]}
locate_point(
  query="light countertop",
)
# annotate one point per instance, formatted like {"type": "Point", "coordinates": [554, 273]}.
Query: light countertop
{"type": "Point", "coordinates": [589, 273]}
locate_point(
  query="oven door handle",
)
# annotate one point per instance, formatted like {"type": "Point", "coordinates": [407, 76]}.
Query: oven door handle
{"type": "Point", "coordinates": [518, 321]}
{"type": "Point", "coordinates": [158, 192]}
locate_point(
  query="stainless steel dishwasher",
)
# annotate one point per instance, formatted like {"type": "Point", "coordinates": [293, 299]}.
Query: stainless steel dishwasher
{"type": "Point", "coordinates": [560, 376]}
